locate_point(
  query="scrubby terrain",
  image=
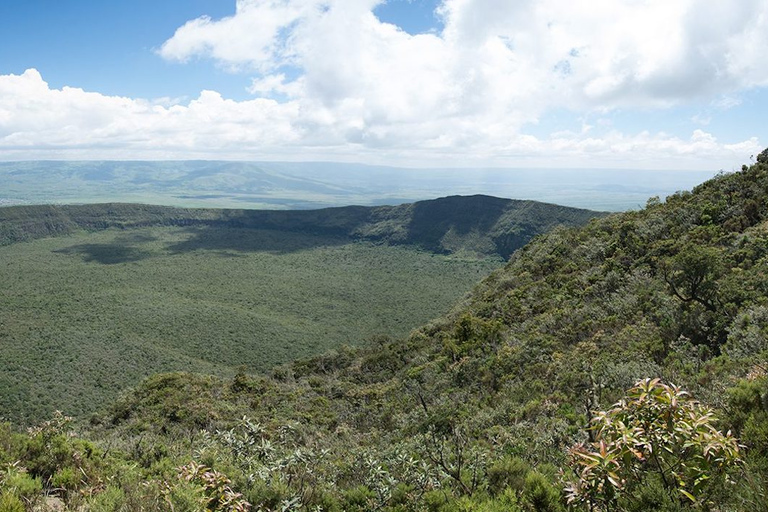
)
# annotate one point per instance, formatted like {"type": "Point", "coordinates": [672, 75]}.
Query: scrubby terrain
{"type": "Point", "coordinates": [506, 403]}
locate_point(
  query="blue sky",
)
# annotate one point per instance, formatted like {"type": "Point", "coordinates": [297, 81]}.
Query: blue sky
{"type": "Point", "coordinates": [606, 83]}
{"type": "Point", "coordinates": [108, 46]}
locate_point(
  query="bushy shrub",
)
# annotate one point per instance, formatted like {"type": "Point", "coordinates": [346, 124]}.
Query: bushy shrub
{"type": "Point", "coordinates": [540, 494]}
{"type": "Point", "coordinates": [10, 503]}
{"type": "Point", "coordinates": [508, 472]}
{"type": "Point", "coordinates": [657, 432]}
{"type": "Point", "coordinates": [111, 499]}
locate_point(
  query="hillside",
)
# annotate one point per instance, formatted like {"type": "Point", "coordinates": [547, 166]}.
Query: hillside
{"type": "Point", "coordinates": [98, 297]}
{"type": "Point", "coordinates": [480, 225]}
{"type": "Point", "coordinates": [477, 410]}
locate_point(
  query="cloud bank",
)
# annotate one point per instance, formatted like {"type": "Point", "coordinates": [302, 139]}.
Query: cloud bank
{"type": "Point", "coordinates": [332, 81]}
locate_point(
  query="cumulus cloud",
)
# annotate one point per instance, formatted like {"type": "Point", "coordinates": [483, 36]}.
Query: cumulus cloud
{"type": "Point", "coordinates": [37, 121]}
{"type": "Point", "coordinates": [330, 78]}
{"type": "Point", "coordinates": [494, 67]}
{"type": "Point", "coordinates": [34, 116]}
{"type": "Point", "coordinates": [613, 53]}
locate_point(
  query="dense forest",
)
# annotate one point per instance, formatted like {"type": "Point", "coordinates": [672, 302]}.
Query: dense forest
{"type": "Point", "coordinates": [616, 366]}
{"type": "Point", "coordinates": [98, 297]}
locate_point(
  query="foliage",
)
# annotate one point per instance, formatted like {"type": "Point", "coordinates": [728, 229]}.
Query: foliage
{"type": "Point", "coordinates": [475, 410]}
{"type": "Point", "coordinates": [85, 329]}
{"type": "Point", "coordinates": [218, 495]}
{"type": "Point", "coordinates": [658, 432]}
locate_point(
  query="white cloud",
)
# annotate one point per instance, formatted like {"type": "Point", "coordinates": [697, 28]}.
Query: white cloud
{"type": "Point", "coordinates": [726, 102]}
{"type": "Point", "coordinates": [252, 37]}
{"type": "Point", "coordinates": [34, 116]}
{"type": "Point", "coordinates": [494, 64]}
{"type": "Point", "coordinates": [39, 122]}
{"type": "Point", "coordinates": [361, 88]}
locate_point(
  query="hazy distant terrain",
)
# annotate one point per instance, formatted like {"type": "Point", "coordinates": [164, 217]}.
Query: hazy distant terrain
{"type": "Point", "coordinates": [276, 185]}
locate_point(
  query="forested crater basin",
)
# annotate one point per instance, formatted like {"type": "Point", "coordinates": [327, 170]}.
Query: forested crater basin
{"type": "Point", "coordinates": [96, 297]}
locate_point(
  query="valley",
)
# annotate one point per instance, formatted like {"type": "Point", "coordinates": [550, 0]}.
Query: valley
{"type": "Point", "coordinates": [98, 297]}
{"type": "Point", "coordinates": [549, 387]}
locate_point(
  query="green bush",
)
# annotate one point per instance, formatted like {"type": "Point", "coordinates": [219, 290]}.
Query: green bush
{"type": "Point", "coordinates": [657, 432]}
{"type": "Point", "coordinates": [359, 498]}
{"type": "Point", "coordinates": [10, 503]}
{"type": "Point", "coordinates": [509, 472]}
{"type": "Point", "coordinates": [540, 493]}
{"type": "Point", "coordinates": [111, 499]}
{"type": "Point", "coordinates": [66, 478]}
{"type": "Point", "coordinates": [21, 484]}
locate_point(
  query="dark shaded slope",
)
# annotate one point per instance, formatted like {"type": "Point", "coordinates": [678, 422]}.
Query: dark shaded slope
{"type": "Point", "coordinates": [480, 225]}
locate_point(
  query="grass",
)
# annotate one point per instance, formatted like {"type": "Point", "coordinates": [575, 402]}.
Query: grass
{"type": "Point", "coordinates": [86, 315]}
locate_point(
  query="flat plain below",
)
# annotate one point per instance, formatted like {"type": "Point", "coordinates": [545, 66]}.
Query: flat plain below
{"type": "Point", "coordinates": [86, 315]}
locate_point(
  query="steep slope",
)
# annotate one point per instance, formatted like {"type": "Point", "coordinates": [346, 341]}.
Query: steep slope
{"type": "Point", "coordinates": [510, 379]}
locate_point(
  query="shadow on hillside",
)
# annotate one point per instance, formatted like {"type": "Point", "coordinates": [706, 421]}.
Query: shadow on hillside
{"type": "Point", "coordinates": [134, 238]}
{"type": "Point", "coordinates": [432, 220]}
{"type": "Point", "coordinates": [106, 254]}
{"type": "Point", "coordinates": [224, 240]}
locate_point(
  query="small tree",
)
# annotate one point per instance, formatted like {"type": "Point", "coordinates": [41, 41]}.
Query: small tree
{"type": "Point", "coordinates": [657, 433]}
{"type": "Point", "coordinates": [762, 158]}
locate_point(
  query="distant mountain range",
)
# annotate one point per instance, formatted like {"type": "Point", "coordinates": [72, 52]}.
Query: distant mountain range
{"type": "Point", "coordinates": [285, 185]}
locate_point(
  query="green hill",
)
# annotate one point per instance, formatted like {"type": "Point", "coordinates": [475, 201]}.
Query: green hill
{"type": "Point", "coordinates": [478, 410]}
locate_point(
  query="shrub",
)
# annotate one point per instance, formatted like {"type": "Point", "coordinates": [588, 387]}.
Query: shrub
{"type": "Point", "coordinates": [112, 499]}
{"type": "Point", "coordinates": [10, 503]}
{"type": "Point", "coordinates": [657, 432]}
{"type": "Point", "coordinates": [509, 472]}
{"type": "Point", "coordinates": [540, 494]}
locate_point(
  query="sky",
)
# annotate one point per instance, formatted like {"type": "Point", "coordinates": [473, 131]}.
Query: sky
{"type": "Point", "coordinates": [653, 84]}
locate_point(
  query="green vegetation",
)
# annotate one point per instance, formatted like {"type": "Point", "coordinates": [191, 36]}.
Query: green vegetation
{"type": "Point", "coordinates": [557, 353]}
{"type": "Point", "coordinates": [476, 226]}
{"type": "Point", "coordinates": [118, 292]}
{"type": "Point", "coordinates": [658, 435]}
{"type": "Point", "coordinates": [88, 315]}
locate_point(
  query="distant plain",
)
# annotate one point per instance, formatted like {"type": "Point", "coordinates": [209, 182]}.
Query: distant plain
{"type": "Point", "coordinates": [285, 185]}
